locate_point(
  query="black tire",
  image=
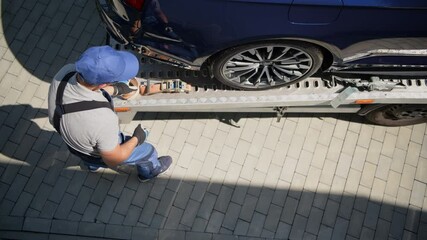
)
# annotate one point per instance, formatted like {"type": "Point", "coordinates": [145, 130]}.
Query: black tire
{"type": "Point", "coordinates": [267, 65]}
{"type": "Point", "coordinates": [398, 115]}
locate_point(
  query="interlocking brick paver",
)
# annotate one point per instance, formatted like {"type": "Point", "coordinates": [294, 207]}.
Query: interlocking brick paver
{"type": "Point", "coordinates": [386, 211]}
{"type": "Point", "coordinates": [424, 148]}
{"type": "Point", "coordinates": [37, 225]}
{"type": "Point", "coordinates": [223, 199]}
{"type": "Point", "coordinates": [132, 216]}
{"type": "Point", "coordinates": [48, 210]}
{"type": "Point", "coordinates": [289, 210]}
{"type": "Point", "coordinates": [314, 220]}
{"type": "Point", "coordinates": [403, 197]}
{"type": "Point", "coordinates": [408, 176]}
{"type": "Point", "coordinates": [242, 228]}
{"type": "Point", "coordinates": [283, 231]}
{"type": "Point", "coordinates": [353, 180]}
{"type": "Point", "coordinates": [225, 157]}
{"type": "Point", "coordinates": [330, 214]}
{"type": "Point", "coordinates": [22, 204]}
{"type": "Point", "coordinates": [404, 138]}
{"type": "Point", "coordinates": [241, 152]}
{"type": "Point", "coordinates": [374, 152]}
{"type": "Point", "coordinates": [256, 225]}
{"type": "Point", "coordinates": [183, 195]}
{"type": "Point", "coordinates": [397, 225]}
{"type": "Point", "coordinates": [190, 213]}
{"type": "Point", "coordinates": [378, 188]}
{"type": "Point", "coordinates": [209, 165]}
{"type": "Point", "coordinates": [264, 201]}
{"type": "Point", "coordinates": [82, 200]}
{"type": "Point", "coordinates": [413, 218]}
{"type": "Point", "coordinates": [124, 201]}
{"type": "Point", "coordinates": [100, 191]}
{"type": "Point", "coordinates": [273, 218]}
{"type": "Point", "coordinates": [328, 171]}
{"type": "Point", "coordinates": [272, 178]}
{"type": "Point", "coordinates": [118, 185]}
{"type": "Point", "coordinates": [248, 169]}
{"type": "Point", "coordinates": [178, 142]}
{"type": "Point", "coordinates": [199, 225]}
{"type": "Point", "coordinates": [288, 131]}
{"type": "Point", "coordinates": [288, 169]}
{"type": "Point", "coordinates": [41, 197]}
{"type": "Point", "coordinates": [64, 227]}
{"type": "Point", "coordinates": [392, 184]}
{"type": "Point", "coordinates": [417, 133]}
{"type": "Point", "coordinates": [174, 217]}
{"type": "Point", "coordinates": [319, 156]}
{"type": "Point", "coordinates": [257, 144]}
{"type": "Point", "coordinates": [249, 129]}
{"type": "Point", "coordinates": [343, 166]}
{"type": "Point", "coordinates": [304, 161]}
{"type": "Point", "coordinates": [398, 160]}
{"type": "Point", "coordinates": [340, 229]}
{"type": "Point", "coordinates": [90, 213]}
{"type": "Point", "coordinates": [202, 148]}
{"type": "Point", "coordinates": [421, 172]}
{"type": "Point", "coordinates": [191, 173]}
{"type": "Point", "coordinates": [233, 137]}
{"type": "Point", "coordinates": [272, 138]}
{"type": "Point", "coordinates": [107, 208]}
{"type": "Point", "coordinates": [218, 142]}
{"type": "Point", "coordinates": [305, 203]}
{"type": "Point", "coordinates": [200, 189]}
{"type": "Point", "coordinates": [91, 229]}
{"type": "Point", "coordinates": [368, 174]}
{"type": "Point", "coordinates": [65, 206]}
{"type": "Point", "coordinates": [16, 188]}
{"type": "Point", "coordinates": [346, 205]}
{"type": "Point", "coordinates": [254, 188]}
{"type": "Point", "coordinates": [298, 227]}
{"type": "Point", "coordinates": [417, 195]}
{"type": "Point", "coordinates": [371, 216]}
{"type": "Point", "coordinates": [296, 146]}
{"type": "Point", "coordinates": [413, 154]}
{"type": "Point", "coordinates": [165, 202]}
{"type": "Point", "coordinates": [215, 222]}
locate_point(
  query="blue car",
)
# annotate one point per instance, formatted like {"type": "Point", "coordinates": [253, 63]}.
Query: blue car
{"type": "Point", "coordinates": [263, 44]}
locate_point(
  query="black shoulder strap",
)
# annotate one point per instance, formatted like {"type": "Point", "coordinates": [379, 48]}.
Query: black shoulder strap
{"type": "Point", "coordinates": [62, 109]}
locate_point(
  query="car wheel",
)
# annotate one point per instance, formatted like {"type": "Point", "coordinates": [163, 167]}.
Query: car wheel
{"type": "Point", "coordinates": [266, 65]}
{"type": "Point", "coordinates": [398, 115]}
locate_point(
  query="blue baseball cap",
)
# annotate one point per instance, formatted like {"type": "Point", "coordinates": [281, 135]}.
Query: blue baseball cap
{"type": "Point", "coordinates": [103, 64]}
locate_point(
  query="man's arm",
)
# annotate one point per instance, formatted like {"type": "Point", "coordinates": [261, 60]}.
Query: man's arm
{"type": "Point", "coordinates": [120, 153]}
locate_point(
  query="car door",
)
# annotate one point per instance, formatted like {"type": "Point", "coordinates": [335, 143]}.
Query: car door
{"type": "Point", "coordinates": [315, 12]}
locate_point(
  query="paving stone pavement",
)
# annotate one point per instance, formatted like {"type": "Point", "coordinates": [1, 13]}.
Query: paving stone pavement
{"type": "Point", "coordinates": [306, 177]}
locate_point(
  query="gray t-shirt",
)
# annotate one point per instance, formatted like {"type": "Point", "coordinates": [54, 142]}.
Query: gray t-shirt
{"type": "Point", "coordinates": [88, 131]}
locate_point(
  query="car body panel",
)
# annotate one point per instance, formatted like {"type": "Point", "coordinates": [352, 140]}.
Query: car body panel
{"type": "Point", "coordinates": [355, 32]}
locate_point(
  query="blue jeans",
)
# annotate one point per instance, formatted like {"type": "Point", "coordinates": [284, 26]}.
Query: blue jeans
{"type": "Point", "coordinates": [144, 157]}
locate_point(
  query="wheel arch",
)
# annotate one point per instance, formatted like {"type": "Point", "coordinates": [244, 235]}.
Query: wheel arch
{"type": "Point", "coordinates": [330, 52]}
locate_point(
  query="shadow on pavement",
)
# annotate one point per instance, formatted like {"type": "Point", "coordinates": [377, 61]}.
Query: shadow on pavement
{"type": "Point", "coordinates": [43, 190]}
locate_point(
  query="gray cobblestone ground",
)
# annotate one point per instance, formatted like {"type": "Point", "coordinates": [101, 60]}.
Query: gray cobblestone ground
{"type": "Point", "coordinates": [302, 178]}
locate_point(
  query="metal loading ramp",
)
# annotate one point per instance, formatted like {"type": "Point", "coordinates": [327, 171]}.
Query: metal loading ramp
{"type": "Point", "coordinates": [310, 95]}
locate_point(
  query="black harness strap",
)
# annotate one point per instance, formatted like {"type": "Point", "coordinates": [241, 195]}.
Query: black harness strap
{"type": "Point", "coordinates": [62, 109]}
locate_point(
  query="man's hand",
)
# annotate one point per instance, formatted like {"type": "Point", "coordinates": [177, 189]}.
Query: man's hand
{"type": "Point", "coordinates": [140, 133]}
{"type": "Point", "coordinates": [122, 88]}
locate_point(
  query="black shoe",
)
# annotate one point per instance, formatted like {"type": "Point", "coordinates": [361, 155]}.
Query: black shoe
{"type": "Point", "coordinates": [165, 163]}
